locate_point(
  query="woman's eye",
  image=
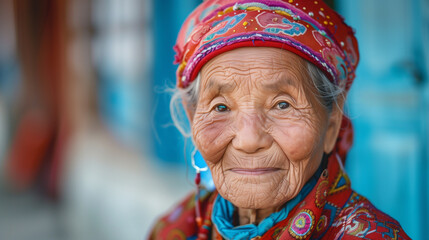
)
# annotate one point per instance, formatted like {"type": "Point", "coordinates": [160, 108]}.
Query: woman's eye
{"type": "Point", "coordinates": [221, 108]}
{"type": "Point", "coordinates": [283, 105]}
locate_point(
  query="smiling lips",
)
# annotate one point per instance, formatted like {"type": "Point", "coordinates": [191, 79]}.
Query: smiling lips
{"type": "Point", "coordinates": [257, 171]}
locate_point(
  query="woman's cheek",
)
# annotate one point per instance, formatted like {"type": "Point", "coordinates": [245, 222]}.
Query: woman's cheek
{"type": "Point", "coordinates": [211, 135]}
{"type": "Point", "coordinates": [297, 139]}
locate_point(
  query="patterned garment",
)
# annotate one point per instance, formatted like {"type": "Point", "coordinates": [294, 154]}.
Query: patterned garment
{"type": "Point", "coordinates": [332, 210]}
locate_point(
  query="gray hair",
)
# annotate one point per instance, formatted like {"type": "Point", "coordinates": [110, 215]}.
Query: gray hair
{"type": "Point", "coordinates": [327, 94]}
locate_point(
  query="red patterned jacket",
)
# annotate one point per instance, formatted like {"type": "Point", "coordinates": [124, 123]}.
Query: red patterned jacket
{"type": "Point", "coordinates": [332, 210]}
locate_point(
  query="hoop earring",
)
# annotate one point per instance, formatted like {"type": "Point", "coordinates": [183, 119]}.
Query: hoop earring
{"type": "Point", "coordinates": [198, 170]}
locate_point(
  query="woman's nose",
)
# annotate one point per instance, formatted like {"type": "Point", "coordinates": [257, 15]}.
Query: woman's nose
{"type": "Point", "coordinates": [251, 134]}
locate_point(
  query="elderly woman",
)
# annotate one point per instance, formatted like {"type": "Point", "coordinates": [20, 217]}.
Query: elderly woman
{"type": "Point", "coordinates": [263, 83]}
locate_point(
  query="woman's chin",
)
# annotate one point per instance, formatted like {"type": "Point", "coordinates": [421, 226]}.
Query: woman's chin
{"type": "Point", "coordinates": [256, 189]}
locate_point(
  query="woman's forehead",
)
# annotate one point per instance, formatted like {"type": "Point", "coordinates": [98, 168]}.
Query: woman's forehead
{"type": "Point", "coordinates": [270, 82]}
{"type": "Point", "coordinates": [247, 57]}
{"type": "Point", "coordinates": [274, 66]}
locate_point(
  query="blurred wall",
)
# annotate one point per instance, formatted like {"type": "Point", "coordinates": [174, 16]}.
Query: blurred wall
{"type": "Point", "coordinates": [122, 53]}
{"type": "Point", "coordinates": [389, 107]}
{"type": "Point", "coordinates": [75, 122]}
{"type": "Point", "coordinates": [9, 80]}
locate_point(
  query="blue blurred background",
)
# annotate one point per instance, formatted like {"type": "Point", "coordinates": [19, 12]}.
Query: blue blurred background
{"type": "Point", "coordinates": [88, 149]}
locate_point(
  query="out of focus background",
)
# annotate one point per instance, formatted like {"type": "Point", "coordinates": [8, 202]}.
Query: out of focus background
{"type": "Point", "coordinates": [88, 149]}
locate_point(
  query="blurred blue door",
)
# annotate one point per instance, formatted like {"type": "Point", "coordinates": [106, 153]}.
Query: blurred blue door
{"type": "Point", "coordinates": [389, 107]}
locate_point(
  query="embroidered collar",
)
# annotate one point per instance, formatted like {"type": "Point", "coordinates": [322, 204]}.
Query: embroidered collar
{"type": "Point", "coordinates": [223, 211]}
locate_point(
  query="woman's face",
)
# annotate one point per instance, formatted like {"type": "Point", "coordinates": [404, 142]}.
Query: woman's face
{"type": "Point", "coordinates": [259, 126]}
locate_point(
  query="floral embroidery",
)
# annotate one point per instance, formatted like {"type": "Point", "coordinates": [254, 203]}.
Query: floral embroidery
{"type": "Point", "coordinates": [302, 224]}
{"type": "Point", "coordinates": [321, 193]}
{"type": "Point", "coordinates": [273, 23]}
{"type": "Point", "coordinates": [221, 27]}
{"type": "Point", "coordinates": [323, 222]}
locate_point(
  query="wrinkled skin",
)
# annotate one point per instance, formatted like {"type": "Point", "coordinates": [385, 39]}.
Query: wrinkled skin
{"type": "Point", "coordinates": [260, 128]}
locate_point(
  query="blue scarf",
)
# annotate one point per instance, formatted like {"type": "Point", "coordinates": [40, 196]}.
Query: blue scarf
{"type": "Point", "coordinates": [223, 212]}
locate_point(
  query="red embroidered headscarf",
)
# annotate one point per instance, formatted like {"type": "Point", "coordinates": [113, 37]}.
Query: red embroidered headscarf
{"type": "Point", "coordinates": [308, 28]}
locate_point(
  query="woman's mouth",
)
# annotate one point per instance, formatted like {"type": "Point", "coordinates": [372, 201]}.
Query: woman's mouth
{"type": "Point", "coordinates": [256, 171]}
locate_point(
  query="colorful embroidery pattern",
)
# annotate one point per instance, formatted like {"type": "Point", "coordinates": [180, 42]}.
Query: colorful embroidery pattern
{"type": "Point", "coordinates": [221, 27]}
{"type": "Point", "coordinates": [322, 223]}
{"type": "Point", "coordinates": [272, 23]}
{"type": "Point", "coordinates": [176, 234]}
{"type": "Point", "coordinates": [302, 224]}
{"type": "Point", "coordinates": [215, 20]}
{"type": "Point", "coordinates": [341, 182]}
{"type": "Point", "coordinates": [321, 193]}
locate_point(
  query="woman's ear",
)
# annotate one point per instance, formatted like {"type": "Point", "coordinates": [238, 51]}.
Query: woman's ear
{"type": "Point", "coordinates": [334, 124]}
